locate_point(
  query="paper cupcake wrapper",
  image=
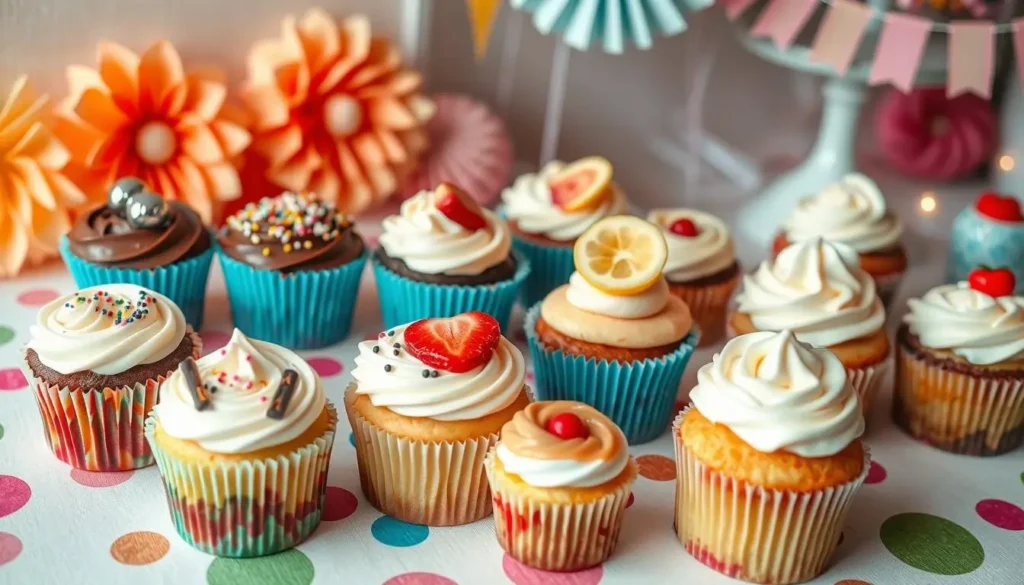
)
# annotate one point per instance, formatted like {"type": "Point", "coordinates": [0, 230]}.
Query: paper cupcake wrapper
{"type": "Point", "coordinates": [403, 300]}
{"type": "Point", "coordinates": [251, 508]}
{"type": "Point", "coordinates": [550, 268]}
{"type": "Point", "coordinates": [436, 484]}
{"type": "Point", "coordinates": [755, 534]}
{"type": "Point", "coordinates": [638, 396]}
{"type": "Point", "coordinates": [867, 380]}
{"type": "Point", "coordinates": [709, 305]}
{"type": "Point", "coordinates": [552, 536]}
{"type": "Point", "coordinates": [182, 282]}
{"type": "Point", "coordinates": [301, 310]}
{"type": "Point", "coordinates": [958, 412]}
{"type": "Point", "coordinates": [99, 429]}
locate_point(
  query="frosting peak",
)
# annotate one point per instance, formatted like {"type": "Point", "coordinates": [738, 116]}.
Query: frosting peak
{"type": "Point", "coordinates": [816, 289]}
{"type": "Point", "coordinates": [851, 211]}
{"type": "Point", "coordinates": [776, 393]}
{"type": "Point", "coordinates": [709, 252]}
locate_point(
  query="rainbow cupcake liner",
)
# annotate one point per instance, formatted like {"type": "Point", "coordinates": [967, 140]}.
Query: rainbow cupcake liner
{"type": "Point", "coordinates": [182, 282]}
{"type": "Point", "coordinates": [638, 396]}
{"type": "Point", "coordinates": [301, 310]}
{"type": "Point", "coordinates": [403, 300]}
{"type": "Point", "coordinates": [251, 508]}
{"type": "Point", "coordinates": [550, 267]}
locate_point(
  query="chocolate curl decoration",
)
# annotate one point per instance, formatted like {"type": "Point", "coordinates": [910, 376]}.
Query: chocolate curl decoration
{"type": "Point", "coordinates": [189, 369]}
{"type": "Point", "coordinates": [283, 395]}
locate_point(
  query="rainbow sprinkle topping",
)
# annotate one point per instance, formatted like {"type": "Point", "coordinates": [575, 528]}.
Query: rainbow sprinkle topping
{"type": "Point", "coordinates": [292, 221]}
{"type": "Point", "coordinates": [122, 312]}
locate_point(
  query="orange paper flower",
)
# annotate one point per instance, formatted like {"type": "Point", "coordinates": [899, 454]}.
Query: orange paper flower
{"type": "Point", "coordinates": [334, 112]}
{"type": "Point", "coordinates": [34, 194]}
{"type": "Point", "coordinates": [145, 116]}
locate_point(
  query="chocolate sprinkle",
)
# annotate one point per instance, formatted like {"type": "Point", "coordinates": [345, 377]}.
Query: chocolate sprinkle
{"type": "Point", "coordinates": [434, 374]}
{"type": "Point", "coordinates": [426, 373]}
{"type": "Point", "coordinates": [387, 367]}
{"type": "Point", "coordinates": [376, 349]}
{"type": "Point", "coordinates": [397, 352]}
{"type": "Point", "coordinates": [190, 370]}
{"type": "Point", "coordinates": [283, 394]}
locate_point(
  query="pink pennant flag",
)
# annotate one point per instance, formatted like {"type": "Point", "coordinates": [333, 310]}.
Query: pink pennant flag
{"type": "Point", "coordinates": [1018, 46]}
{"type": "Point", "coordinates": [839, 35]}
{"type": "Point", "coordinates": [781, 20]}
{"type": "Point", "coordinates": [734, 8]}
{"type": "Point", "coordinates": [971, 55]}
{"type": "Point", "coordinates": [899, 50]}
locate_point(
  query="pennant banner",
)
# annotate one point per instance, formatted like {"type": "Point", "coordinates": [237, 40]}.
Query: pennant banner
{"type": "Point", "coordinates": [839, 35]}
{"type": "Point", "coordinates": [971, 58]}
{"type": "Point", "coordinates": [899, 51]}
{"type": "Point", "coordinates": [734, 8]}
{"type": "Point", "coordinates": [482, 14]}
{"type": "Point", "coordinates": [781, 20]}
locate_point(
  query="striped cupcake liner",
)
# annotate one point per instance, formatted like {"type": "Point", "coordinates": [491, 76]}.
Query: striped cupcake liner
{"type": "Point", "coordinates": [550, 268]}
{"type": "Point", "coordinates": [251, 508]}
{"type": "Point", "coordinates": [638, 396]}
{"type": "Point", "coordinates": [708, 305]}
{"type": "Point", "coordinates": [553, 536]}
{"type": "Point", "coordinates": [748, 532]}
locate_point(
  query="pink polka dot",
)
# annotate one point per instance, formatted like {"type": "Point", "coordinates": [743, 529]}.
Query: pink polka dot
{"type": "Point", "coordinates": [1001, 513]}
{"type": "Point", "coordinates": [876, 474]}
{"type": "Point", "coordinates": [326, 366]}
{"type": "Point", "coordinates": [520, 574]}
{"type": "Point", "coordinates": [37, 297]}
{"type": "Point", "coordinates": [14, 493]}
{"type": "Point", "coordinates": [214, 340]}
{"type": "Point", "coordinates": [100, 479]}
{"type": "Point", "coordinates": [12, 379]}
{"type": "Point", "coordinates": [10, 547]}
{"type": "Point", "coordinates": [530, 376]}
{"type": "Point", "coordinates": [419, 579]}
{"type": "Point", "coordinates": [630, 500]}
{"type": "Point", "coordinates": [340, 504]}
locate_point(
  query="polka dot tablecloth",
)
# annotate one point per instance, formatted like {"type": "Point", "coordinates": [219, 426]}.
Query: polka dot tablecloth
{"type": "Point", "coordinates": [923, 518]}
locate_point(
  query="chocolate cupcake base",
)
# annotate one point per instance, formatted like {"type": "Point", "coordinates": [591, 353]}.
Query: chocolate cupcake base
{"type": "Point", "coordinates": [495, 274]}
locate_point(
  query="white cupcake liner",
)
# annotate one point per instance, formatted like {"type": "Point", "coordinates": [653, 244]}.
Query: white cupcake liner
{"type": "Point", "coordinates": [552, 536]}
{"type": "Point", "coordinates": [747, 532]}
{"type": "Point", "coordinates": [867, 380]}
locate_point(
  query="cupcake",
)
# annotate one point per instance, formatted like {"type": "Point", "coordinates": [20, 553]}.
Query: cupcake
{"type": "Point", "coordinates": [852, 211]}
{"type": "Point", "coordinates": [138, 238]}
{"type": "Point", "coordinates": [547, 211]}
{"type": "Point", "coordinates": [444, 255]}
{"type": "Point", "coordinates": [701, 267]}
{"type": "Point", "coordinates": [768, 459]}
{"type": "Point", "coordinates": [243, 441]}
{"type": "Point", "coordinates": [988, 233]}
{"type": "Point", "coordinates": [816, 290]}
{"type": "Point", "coordinates": [561, 477]}
{"type": "Point", "coordinates": [426, 403]}
{"type": "Point", "coordinates": [614, 337]}
{"type": "Point", "coordinates": [960, 368]}
{"type": "Point", "coordinates": [95, 359]}
{"type": "Point", "coordinates": [292, 265]}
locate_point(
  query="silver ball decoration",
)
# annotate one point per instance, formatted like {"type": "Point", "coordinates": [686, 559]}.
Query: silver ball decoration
{"type": "Point", "coordinates": [146, 210]}
{"type": "Point", "coordinates": [121, 191]}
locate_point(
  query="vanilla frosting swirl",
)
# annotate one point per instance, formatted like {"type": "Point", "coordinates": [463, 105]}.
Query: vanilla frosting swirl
{"type": "Point", "coordinates": [709, 252]}
{"type": "Point", "coordinates": [107, 329]}
{"type": "Point", "coordinates": [431, 243]}
{"type": "Point", "coordinates": [817, 289]}
{"type": "Point", "coordinates": [397, 381]}
{"type": "Point", "coordinates": [241, 379]}
{"type": "Point", "coordinates": [851, 211]}
{"type": "Point", "coordinates": [975, 326]}
{"type": "Point", "coordinates": [583, 295]}
{"type": "Point", "coordinates": [541, 459]}
{"type": "Point", "coordinates": [528, 202]}
{"type": "Point", "coordinates": [776, 393]}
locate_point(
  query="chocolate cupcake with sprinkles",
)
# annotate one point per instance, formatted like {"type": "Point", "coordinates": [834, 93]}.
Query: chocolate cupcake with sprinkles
{"type": "Point", "coordinates": [292, 266]}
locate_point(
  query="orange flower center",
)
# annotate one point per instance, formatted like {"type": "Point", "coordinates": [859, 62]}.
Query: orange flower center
{"type": "Point", "coordinates": [156, 142]}
{"type": "Point", "coordinates": [342, 115]}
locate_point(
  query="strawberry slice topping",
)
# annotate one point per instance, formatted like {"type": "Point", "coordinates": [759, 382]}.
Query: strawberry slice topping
{"type": "Point", "coordinates": [459, 207]}
{"type": "Point", "coordinates": [455, 344]}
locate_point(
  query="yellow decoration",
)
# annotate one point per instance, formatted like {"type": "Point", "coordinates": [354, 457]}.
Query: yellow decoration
{"type": "Point", "coordinates": [482, 14]}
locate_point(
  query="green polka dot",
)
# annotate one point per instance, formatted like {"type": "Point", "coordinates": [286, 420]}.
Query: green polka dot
{"type": "Point", "coordinates": [288, 568]}
{"type": "Point", "coordinates": [1, 431]}
{"type": "Point", "coordinates": [932, 544]}
{"type": "Point", "coordinates": [6, 334]}
{"type": "Point", "coordinates": [1022, 477]}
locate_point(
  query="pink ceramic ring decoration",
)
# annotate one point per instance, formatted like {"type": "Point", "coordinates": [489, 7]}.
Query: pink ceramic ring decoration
{"type": "Point", "coordinates": [469, 147]}
{"type": "Point", "coordinates": [927, 135]}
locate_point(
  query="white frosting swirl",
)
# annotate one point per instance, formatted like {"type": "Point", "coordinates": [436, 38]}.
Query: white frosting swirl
{"type": "Point", "coordinates": [817, 289]}
{"type": "Point", "coordinates": [528, 202]}
{"type": "Point", "coordinates": [397, 382]}
{"type": "Point", "coordinates": [246, 374]}
{"type": "Point", "coordinates": [709, 252]}
{"type": "Point", "coordinates": [583, 295]}
{"type": "Point", "coordinates": [775, 393]}
{"type": "Point", "coordinates": [562, 472]}
{"type": "Point", "coordinates": [428, 242]}
{"type": "Point", "coordinates": [851, 211]}
{"type": "Point", "coordinates": [975, 326]}
{"type": "Point", "coordinates": [108, 334]}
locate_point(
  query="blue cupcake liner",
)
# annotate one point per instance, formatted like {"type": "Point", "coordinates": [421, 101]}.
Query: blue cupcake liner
{"type": "Point", "coordinates": [638, 396]}
{"type": "Point", "coordinates": [550, 268]}
{"type": "Point", "coordinates": [306, 309]}
{"type": "Point", "coordinates": [183, 282]}
{"type": "Point", "coordinates": [403, 300]}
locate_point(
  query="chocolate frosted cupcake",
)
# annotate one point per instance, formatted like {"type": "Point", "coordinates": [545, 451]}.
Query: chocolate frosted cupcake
{"type": "Point", "coordinates": [292, 264]}
{"type": "Point", "coordinates": [138, 238]}
{"type": "Point", "coordinates": [95, 360]}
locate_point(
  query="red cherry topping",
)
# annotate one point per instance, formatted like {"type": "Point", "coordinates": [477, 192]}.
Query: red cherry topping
{"type": "Point", "coordinates": [456, 344]}
{"type": "Point", "coordinates": [1002, 208]}
{"type": "Point", "coordinates": [684, 227]}
{"type": "Point", "coordinates": [995, 282]}
{"type": "Point", "coordinates": [566, 425]}
{"type": "Point", "coordinates": [459, 207]}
